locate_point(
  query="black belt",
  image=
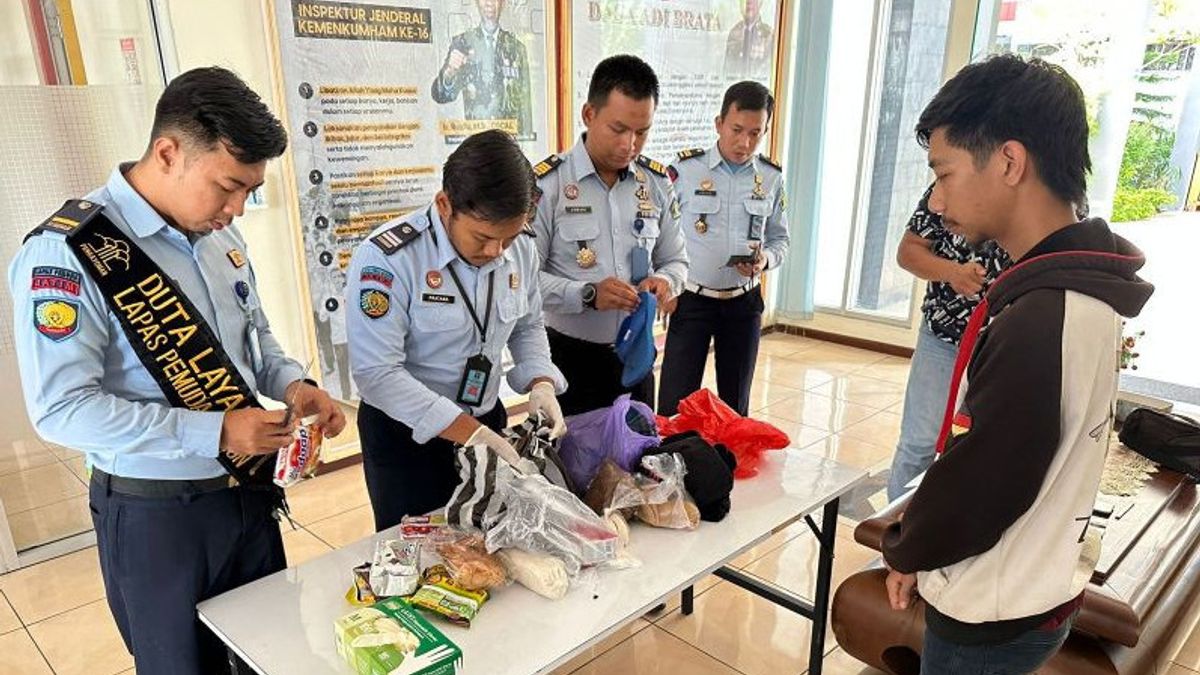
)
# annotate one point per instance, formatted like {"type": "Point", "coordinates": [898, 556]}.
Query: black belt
{"type": "Point", "coordinates": [152, 487]}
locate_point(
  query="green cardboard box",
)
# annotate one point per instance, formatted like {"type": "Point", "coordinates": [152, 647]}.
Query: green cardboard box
{"type": "Point", "coordinates": [377, 640]}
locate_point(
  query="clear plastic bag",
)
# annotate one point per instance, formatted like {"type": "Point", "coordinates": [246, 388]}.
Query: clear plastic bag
{"type": "Point", "coordinates": [545, 518]}
{"type": "Point", "coordinates": [472, 567]}
{"type": "Point", "coordinates": [666, 502]}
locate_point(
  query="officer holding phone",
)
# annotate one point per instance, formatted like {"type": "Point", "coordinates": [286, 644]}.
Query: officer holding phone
{"type": "Point", "coordinates": [734, 218]}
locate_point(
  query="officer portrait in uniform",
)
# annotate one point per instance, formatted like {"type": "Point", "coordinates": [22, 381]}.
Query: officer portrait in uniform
{"type": "Point", "coordinates": [432, 300]}
{"type": "Point", "coordinates": [489, 67]}
{"type": "Point", "coordinates": [734, 216]}
{"type": "Point", "coordinates": [607, 227]}
{"type": "Point", "coordinates": [142, 342]}
{"type": "Point", "coordinates": [750, 46]}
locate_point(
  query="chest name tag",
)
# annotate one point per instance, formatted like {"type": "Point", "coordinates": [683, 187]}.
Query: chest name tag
{"type": "Point", "coordinates": [576, 210]}
{"type": "Point", "coordinates": [439, 298]}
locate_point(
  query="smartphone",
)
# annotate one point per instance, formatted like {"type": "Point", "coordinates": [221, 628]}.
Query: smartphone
{"type": "Point", "coordinates": [735, 260]}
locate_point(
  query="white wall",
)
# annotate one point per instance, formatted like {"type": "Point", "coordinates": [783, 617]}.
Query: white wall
{"type": "Point", "coordinates": [17, 62]}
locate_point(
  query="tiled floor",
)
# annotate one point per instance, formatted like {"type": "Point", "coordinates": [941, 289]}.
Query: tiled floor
{"type": "Point", "coordinates": [842, 402]}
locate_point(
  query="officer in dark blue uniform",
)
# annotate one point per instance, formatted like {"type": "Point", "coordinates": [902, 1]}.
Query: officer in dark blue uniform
{"type": "Point", "coordinates": [142, 343]}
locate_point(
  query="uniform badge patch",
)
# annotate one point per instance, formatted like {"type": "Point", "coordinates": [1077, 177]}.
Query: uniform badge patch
{"type": "Point", "coordinates": [56, 279]}
{"type": "Point", "coordinates": [433, 279]}
{"type": "Point", "coordinates": [514, 281]}
{"type": "Point", "coordinates": [374, 303]}
{"type": "Point", "coordinates": [236, 257]}
{"type": "Point", "coordinates": [377, 275]}
{"type": "Point", "coordinates": [56, 318]}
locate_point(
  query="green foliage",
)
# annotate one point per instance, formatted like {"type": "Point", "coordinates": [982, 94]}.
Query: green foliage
{"type": "Point", "coordinates": [1131, 204]}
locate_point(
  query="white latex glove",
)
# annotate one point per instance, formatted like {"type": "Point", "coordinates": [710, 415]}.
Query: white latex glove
{"type": "Point", "coordinates": [494, 442]}
{"type": "Point", "coordinates": [542, 398]}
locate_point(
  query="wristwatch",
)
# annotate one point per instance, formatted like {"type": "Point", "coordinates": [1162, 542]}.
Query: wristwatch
{"type": "Point", "coordinates": [589, 296]}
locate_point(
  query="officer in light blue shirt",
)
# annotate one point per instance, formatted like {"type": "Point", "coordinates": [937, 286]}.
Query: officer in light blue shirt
{"type": "Point", "coordinates": [607, 227]}
{"type": "Point", "coordinates": [734, 215]}
{"type": "Point", "coordinates": [434, 298]}
{"type": "Point", "coordinates": [142, 342]}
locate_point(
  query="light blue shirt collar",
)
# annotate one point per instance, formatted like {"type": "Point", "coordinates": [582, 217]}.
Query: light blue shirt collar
{"type": "Point", "coordinates": [446, 253]}
{"type": "Point", "coordinates": [137, 212]}
{"type": "Point", "coordinates": [718, 159]}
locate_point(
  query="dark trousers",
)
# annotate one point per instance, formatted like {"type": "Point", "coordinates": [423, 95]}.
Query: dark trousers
{"type": "Point", "coordinates": [734, 325]}
{"type": "Point", "coordinates": [161, 556]}
{"type": "Point", "coordinates": [405, 478]}
{"type": "Point", "coordinates": [593, 373]}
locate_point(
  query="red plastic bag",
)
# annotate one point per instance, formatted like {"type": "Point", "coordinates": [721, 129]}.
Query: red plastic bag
{"type": "Point", "coordinates": [746, 438]}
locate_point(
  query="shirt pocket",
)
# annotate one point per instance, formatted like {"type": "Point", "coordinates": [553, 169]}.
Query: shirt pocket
{"type": "Point", "coordinates": [512, 306]}
{"type": "Point", "coordinates": [757, 210]}
{"type": "Point", "coordinates": [703, 204]}
{"type": "Point", "coordinates": [437, 318]}
{"type": "Point", "coordinates": [578, 227]}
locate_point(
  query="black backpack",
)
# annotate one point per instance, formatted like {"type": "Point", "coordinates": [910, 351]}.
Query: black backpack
{"type": "Point", "coordinates": [1171, 440]}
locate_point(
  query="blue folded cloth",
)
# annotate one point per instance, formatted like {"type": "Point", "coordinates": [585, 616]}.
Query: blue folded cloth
{"type": "Point", "coordinates": [635, 341]}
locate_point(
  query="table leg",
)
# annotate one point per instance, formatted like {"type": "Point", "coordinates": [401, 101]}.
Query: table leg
{"type": "Point", "coordinates": [686, 601]}
{"type": "Point", "coordinates": [820, 618]}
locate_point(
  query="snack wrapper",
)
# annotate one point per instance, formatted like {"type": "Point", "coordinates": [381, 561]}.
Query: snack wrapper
{"type": "Point", "coordinates": [396, 569]}
{"type": "Point", "coordinates": [298, 460]}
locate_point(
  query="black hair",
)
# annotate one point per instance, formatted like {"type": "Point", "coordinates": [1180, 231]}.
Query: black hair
{"type": "Point", "coordinates": [624, 73]}
{"type": "Point", "coordinates": [1008, 98]}
{"type": "Point", "coordinates": [748, 95]}
{"type": "Point", "coordinates": [488, 177]}
{"type": "Point", "coordinates": [212, 105]}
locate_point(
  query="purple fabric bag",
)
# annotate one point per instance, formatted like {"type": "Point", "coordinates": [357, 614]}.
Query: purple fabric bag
{"type": "Point", "coordinates": [621, 433]}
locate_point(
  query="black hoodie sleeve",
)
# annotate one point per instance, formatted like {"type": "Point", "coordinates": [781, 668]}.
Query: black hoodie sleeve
{"type": "Point", "coordinates": [990, 475]}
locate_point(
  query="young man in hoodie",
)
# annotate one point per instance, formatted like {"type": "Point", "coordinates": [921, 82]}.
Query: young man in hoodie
{"type": "Point", "coordinates": [996, 537]}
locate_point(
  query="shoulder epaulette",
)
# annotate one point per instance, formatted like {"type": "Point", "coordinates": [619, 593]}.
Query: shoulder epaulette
{"type": "Point", "coordinates": [656, 167]}
{"type": "Point", "coordinates": [70, 219]}
{"type": "Point", "coordinates": [395, 238]}
{"type": "Point", "coordinates": [544, 167]}
{"type": "Point", "coordinates": [770, 162]}
{"type": "Point", "coordinates": [690, 153]}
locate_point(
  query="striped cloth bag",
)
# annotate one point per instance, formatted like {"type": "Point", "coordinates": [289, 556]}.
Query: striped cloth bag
{"type": "Point", "coordinates": [476, 501]}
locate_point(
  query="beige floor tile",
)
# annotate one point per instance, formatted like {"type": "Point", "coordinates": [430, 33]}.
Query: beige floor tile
{"type": "Point", "coordinates": [21, 455]}
{"type": "Point", "coordinates": [55, 586]}
{"type": "Point", "coordinates": [587, 656]}
{"type": "Point", "coordinates": [882, 429]}
{"type": "Point", "coordinates": [777, 344]}
{"type": "Point", "coordinates": [38, 487]}
{"type": "Point", "coordinates": [328, 495]}
{"type": "Point", "coordinates": [843, 358]}
{"type": "Point", "coordinates": [863, 390]}
{"type": "Point", "coordinates": [1189, 654]}
{"type": "Point", "coordinates": [839, 662]}
{"type": "Point", "coordinates": [819, 412]}
{"type": "Point", "coordinates": [78, 466]}
{"type": "Point", "coordinates": [765, 392]}
{"type": "Point", "coordinates": [794, 565]}
{"type": "Point", "coordinates": [83, 641]}
{"type": "Point", "coordinates": [744, 631]}
{"type": "Point", "coordinates": [8, 617]}
{"type": "Point", "coordinates": [347, 442]}
{"type": "Point", "coordinates": [19, 655]}
{"type": "Point", "coordinates": [852, 451]}
{"type": "Point", "coordinates": [301, 545]}
{"type": "Point", "coordinates": [655, 652]}
{"type": "Point", "coordinates": [51, 522]}
{"type": "Point", "coordinates": [344, 528]}
{"type": "Point", "coordinates": [894, 369]}
{"type": "Point", "coordinates": [794, 371]}
{"type": "Point", "coordinates": [62, 452]}
{"type": "Point", "coordinates": [1176, 669]}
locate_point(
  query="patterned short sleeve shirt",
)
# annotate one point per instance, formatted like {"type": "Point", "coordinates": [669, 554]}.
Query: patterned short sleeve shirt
{"type": "Point", "coordinates": [946, 312]}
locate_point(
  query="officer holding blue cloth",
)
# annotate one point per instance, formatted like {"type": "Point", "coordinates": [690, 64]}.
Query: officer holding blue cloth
{"type": "Point", "coordinates": [142, 343]}
{"type": "Point", "coordinates": [435, 297]}
{"type": "Point", "coordinates": [735, 218]}
{"type": "Point", "coordinates": [607, 227]}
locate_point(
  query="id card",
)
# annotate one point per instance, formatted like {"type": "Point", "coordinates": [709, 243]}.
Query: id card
{"type": "Point", "coordinates": [639, 264]}
{"type": "Point", "coordinates": [474, 380]}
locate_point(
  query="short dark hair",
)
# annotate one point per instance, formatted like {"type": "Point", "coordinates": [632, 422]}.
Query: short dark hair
{"type": "Point", "coordinates": [749, 95]}
{"type": "Point", "coordinates": [488, 177]}
{"type": "Point", "coordinates": [625, 73]}
{"type": "Point", "coordinates": [211, 105]}
{"type": "Point", "coordinates": [1008, 98]}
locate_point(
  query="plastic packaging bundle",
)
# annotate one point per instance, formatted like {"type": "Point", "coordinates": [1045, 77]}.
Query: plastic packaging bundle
{"type": "Point", "coordinates": [667, 503]}
{"type": "Point", "coordinates": [472, 567]}
{"type": "Point", "coordinates": [544, 518]}
{"type": "Point", "coordinates": [748, 439]}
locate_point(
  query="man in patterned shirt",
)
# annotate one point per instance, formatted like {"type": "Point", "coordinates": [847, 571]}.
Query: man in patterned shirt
{"type": "Point", "coordinates": [959, 272]}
